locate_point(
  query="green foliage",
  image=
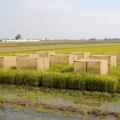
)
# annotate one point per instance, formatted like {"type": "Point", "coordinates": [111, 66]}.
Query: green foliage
{"type": "Point", "coordinates": [62, 68]}
{"type": "Point", "coordinates": [60, 46]}
{"type": "Point", "coordinates": [62, 76]}
{"type": "Point", "coordinates": [78, 81]}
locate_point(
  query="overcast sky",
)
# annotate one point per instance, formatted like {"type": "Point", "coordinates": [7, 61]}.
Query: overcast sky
{"type": "Point", "coordinates": [72, 19]}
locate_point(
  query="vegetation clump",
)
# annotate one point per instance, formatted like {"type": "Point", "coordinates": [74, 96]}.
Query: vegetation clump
{"type": "Point", "coordinates": [69, 80]}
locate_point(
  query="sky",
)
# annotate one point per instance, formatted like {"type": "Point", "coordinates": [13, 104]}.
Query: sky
{"type": "Point", "coordinates": [63, 19]}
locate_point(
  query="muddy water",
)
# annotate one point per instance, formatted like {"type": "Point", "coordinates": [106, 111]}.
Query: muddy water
{"type": "Point", "coordinates": [84, 101]}
{"type": "Point", "coordinates": [13, 113]}
{"type": "Point", "coordinates": [111, 106]}
{"type": "Point", "coordinates": [115, 107]}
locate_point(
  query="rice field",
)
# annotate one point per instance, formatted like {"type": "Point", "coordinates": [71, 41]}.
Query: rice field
{"type": "Point", "coordinates": [91, 105]}
{"type": "Point", "coordinates": [62, 80]}
{"type": "Point", "coordinates": [62, 76]}
{"type": "Point", "coordinates": [82, 92]}
{"type": "Point", "coordinates": [60, 47]}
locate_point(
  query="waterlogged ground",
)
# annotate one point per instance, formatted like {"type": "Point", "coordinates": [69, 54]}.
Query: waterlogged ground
{"type": "Point", "coordinates": [14, 113]}
{"type": "Point", "coordinates": [57, 104]}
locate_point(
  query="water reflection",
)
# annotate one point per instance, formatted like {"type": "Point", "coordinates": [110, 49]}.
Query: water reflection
{"type": "Point", "coordinates": [111, 106]}
{"type": "Point", "coordinates": [13, 113]}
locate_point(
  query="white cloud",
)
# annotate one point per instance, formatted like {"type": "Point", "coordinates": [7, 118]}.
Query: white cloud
{"type": "Point", "coordinates": [53, 18]}
{"type": "Point", "coordinates": [49, 5]}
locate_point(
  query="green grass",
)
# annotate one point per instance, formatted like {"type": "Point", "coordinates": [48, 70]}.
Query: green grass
{"type": "Point", "coordinates": [60, 47]}
{"type": "Point", "coordinates": [85, 101]}
{"type": "Point", "coordinates": [62, 76]}
{"type": "Point", "coordinates": [78, 81]}
{"type": "Point", "coordinates": [77, 97]}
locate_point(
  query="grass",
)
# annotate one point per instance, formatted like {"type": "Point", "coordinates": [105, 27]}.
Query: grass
{"type": "Point", "coordinates": [45, 93]}
{"type": "Point", "coordinates": [31, 97]}
{"type": "Point", "coordinates": [62, 76]}
{"type": "Point", "coordinates": [60, 47]}
{"type": "Point", "coordinates": [76, 81]}
{"type": "Point", "coordinates": [83, 89]}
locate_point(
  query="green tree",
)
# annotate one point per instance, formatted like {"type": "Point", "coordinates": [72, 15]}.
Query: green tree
{"type": "Point", "coordinates": [18, 36]}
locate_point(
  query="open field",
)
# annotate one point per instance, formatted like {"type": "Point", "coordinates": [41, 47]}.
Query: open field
{"type": "Point", "coordinates": [84, 93]}
{"type": "Point", "coordinates": [59, 47]}
{"type": "Point", "coordinates": [110, 81]}
{"type": "Point", "coordinates": [62, 76]}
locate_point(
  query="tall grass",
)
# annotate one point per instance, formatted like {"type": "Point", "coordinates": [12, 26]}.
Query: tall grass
{"type": "Point", "coordinates": [60, 76]}
{"type": "Point", "coordinates": [78, 81]}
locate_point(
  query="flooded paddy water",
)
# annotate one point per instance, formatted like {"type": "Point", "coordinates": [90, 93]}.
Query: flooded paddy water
{"type": "Point", "coordinates": [53, 104]}
{"type": "Point", "coordinates": [13, 113]}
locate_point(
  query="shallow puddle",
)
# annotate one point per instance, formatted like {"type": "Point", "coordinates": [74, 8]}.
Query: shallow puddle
{"type": "Point", "coordinates": [83, 100]}
{"type": "Point", "coordinates": [10, 96]}
{"type": "Point", "coordinates": [111, 106]}
{"type": "Point", "coordinates": [12, 113]}
{"type": "Point", "coordinates": [59, 101]}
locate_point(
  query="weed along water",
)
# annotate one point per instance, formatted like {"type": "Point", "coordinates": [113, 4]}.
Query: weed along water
{"type": "Point", "coordinates": [13, 113]}
{"type": "Point", "coordinates": [20, 102]}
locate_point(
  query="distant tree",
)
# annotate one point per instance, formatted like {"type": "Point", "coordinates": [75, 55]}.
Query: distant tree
{"type": "Point", "coordinates": [92, 39]}
{"type": "Point", "coordinates": [105, 38]}
{"type": "Point", "coordinates": [18, 36]}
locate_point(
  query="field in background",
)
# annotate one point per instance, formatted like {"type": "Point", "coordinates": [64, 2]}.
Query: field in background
{"type": "Point", "coordinates": [59, 46]}
{"type": "Point", "coordinates": [62, 76]}
{"type": "Point", "coordinates": [60, 90]}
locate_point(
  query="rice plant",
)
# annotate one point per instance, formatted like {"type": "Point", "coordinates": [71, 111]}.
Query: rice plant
{"type": "Point", "coordinates": [75, 81]}
{"type": "Point", "coordinates": [62, 76]}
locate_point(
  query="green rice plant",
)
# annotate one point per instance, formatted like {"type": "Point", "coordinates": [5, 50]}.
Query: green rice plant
{"type": "Point", "coordinates": [61, 68]}
{"type": "Point", "coordinates": [92, 82]}
{"type": "Point", "coordinates": [54, 80]}
{"type": "Point", "coordinates": [62, 76]}
{"type": "Point", "coordinates": [116, 73]}
{"type": "Point", "coordinates": [18, 77]}
{"type": "Point", "coordinates": [78, 81]}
